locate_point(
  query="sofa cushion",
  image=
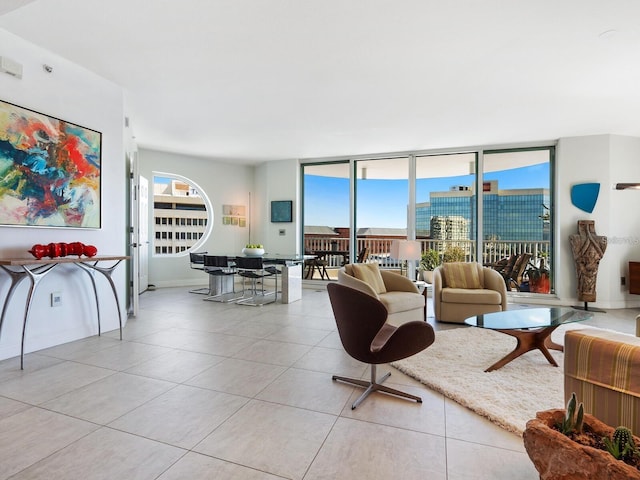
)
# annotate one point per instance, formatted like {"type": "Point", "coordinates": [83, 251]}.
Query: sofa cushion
{"type": "Point", "coordinates": [369, 273]}
{"type": "Point", "coordinates": [478, 296]}
{"type": "Point", "coordinates": [605, 358]}
{"type": "Point", "coordinates": [398, 301]}
{"type": "Point", "coordinates": [601, 368]}
{"type": "Point", "coordinates": [461, 275]}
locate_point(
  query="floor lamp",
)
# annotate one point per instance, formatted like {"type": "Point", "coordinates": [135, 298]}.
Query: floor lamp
{"type": "Point", "coordinates": [406, 250]}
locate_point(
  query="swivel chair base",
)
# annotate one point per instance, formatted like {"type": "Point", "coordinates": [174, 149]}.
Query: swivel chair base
{"type": "Point", "coordinates": [374, 386]}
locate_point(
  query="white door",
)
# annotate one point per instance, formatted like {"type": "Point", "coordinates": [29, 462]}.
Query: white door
{"type": "Point", "coordinates": [143, 234]}
{"type": "Point", "coordinates": [132, 226]}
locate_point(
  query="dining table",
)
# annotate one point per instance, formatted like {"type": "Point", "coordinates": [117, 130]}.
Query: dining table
{"type": "Point", "coordinates": [290, 270]}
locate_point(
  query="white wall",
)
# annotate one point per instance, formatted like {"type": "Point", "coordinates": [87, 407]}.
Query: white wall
{"type": "Point", "coordinates": [624, 217]}
{"type": "Point", "coordinates": [604, 159]}
{"type": "Point", "coordinates": [224, 184]}
{"type": "Point", "coordinates": [81, 97]}
{"type": "Point", "coordinates": [277, 181]}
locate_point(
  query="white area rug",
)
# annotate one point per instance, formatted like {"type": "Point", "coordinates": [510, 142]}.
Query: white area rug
{"type": "Point", "coordinates": [454, 366]}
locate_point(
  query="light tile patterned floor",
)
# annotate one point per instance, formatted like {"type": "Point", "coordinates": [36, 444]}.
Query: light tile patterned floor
{"type": "Point", "coordinates": [207, 390]}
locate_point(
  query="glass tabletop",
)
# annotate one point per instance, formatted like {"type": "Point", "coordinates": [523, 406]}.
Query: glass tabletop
{"type": "Point", "coordinates": [283, 258]}
{"type": "Point", "coordinates": [528, 318]}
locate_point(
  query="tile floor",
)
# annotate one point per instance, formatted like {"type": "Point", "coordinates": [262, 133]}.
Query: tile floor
{"type": "Point", "coordinates": [206, 390]}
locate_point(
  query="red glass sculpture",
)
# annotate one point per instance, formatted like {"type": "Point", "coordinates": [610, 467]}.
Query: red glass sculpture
{"type": "Point", "coordinates": [53, 250]}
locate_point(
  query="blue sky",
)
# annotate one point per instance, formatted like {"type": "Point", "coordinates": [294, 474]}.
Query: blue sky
{"type": "Point", "coordinates": [383, 203]}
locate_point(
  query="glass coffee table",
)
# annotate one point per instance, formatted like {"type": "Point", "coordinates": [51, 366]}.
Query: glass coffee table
{"type": "Point", "coordinates": [532, 328]}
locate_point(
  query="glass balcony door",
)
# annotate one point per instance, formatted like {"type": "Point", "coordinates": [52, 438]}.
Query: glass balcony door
{"type": "Point", "coordinates": [517, 217]}
{"type": "Point", "coordinates": [326, 218]}
{"type": "Point", "coordinates": [381, 207]}
{"type": "Point", "coordinates": [446, 219]}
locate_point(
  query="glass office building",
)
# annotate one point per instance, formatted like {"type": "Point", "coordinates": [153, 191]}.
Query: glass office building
{"type": "Point", "coordinates": [508, 215]}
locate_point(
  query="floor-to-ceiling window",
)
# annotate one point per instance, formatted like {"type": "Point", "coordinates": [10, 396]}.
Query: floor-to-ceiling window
{"type": "Point", "coordinates": [326, 212]}
{"type": "Point", "coordinates": [512, 218]}
{"type": "Point", "coordinates": [446, 219]}
{"type": "Point", "coordinates": [517, 209]}
{"type": "Point", "coordinates": [382, 197]}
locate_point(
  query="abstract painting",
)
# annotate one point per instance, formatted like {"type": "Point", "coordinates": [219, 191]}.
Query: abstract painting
{"type": "Point", "coordinates": [49, 171]}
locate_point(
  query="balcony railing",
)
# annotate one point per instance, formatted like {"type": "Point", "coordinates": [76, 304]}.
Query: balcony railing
{"type": "Point", "coordinates": [379, 249]}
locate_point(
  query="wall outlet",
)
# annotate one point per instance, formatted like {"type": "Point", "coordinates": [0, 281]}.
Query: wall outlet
{"type": "Point", "coordinates": [282, 232]}
{"type": "Point", "coordinates": [56, 299]}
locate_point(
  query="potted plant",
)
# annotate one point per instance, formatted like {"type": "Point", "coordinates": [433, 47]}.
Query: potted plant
{"type": "Point", "coordinates": [539, 280]}
{"type": "Point", "coordinates": [570, 445]}
{"type": "Point", "coordinates": [453, 254]}
{"type": "Point", "coordinates": [428, 262]}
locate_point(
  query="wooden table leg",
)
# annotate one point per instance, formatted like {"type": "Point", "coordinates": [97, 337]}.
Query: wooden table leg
{"type": "Point", "coordinates": [538, 339]}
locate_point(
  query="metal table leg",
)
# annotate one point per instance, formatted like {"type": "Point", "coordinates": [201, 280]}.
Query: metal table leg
{"type": "Point", "coordinates": [35, 276]}
{"type": "Point", "coordinates": [91, 268]}
{"type": "Point", "coordinates": [91, 273]}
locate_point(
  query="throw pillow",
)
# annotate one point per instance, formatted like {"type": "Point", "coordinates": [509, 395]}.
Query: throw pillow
{"type": "Point", "coordinates": [369, 273]}
{"type": "Point", "coordinates": [461, 275]}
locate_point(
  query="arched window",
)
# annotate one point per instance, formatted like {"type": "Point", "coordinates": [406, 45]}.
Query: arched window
{"type": "Point", "coordinates": [183, 216]}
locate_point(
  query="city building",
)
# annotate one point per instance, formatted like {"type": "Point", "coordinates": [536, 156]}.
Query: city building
{"type": "Point", "coordinates": [509, 215]}
{"type": "Point", "coordinates": [180, 217]}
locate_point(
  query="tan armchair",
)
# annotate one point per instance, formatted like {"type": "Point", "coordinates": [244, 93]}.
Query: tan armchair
{"type": "Point", "coordinates": [398, 294]}
{"type": "Point", "coordinates": [464, 289]}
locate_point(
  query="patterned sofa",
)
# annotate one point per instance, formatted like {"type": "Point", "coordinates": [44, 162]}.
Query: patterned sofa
{"type": "Point", "coordinates": [603, 369]}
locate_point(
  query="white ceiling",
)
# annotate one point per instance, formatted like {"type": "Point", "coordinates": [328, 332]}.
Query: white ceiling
{"type": "Point", "coordinates": [256, 80]}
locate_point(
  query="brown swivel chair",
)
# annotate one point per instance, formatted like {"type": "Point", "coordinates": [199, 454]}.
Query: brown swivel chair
{"type": "Point", "coordinates": [365, 335]}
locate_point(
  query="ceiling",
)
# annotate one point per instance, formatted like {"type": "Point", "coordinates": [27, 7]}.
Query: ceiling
{"type": "Point", "coordinates": [255, 80]}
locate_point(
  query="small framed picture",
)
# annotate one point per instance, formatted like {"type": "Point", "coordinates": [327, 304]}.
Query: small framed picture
{"type": "Point", "coordinates": [282, 211]}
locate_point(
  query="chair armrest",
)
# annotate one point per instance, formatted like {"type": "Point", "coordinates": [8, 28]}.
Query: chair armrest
{"type": "Point", "coordinates": [394, 282]}
{"type": "Point", "coordinates": [406, 340]}
{"type": "Point", "coordinates": [382, 337]}
{"type": "Point", "coordinates": [411, 336]}
{"type": "Point", "coordinates": [494, 281]}
{"type": "Point", "coordinates": [437, 289]}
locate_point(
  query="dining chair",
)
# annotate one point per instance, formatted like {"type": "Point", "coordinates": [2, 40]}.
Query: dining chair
{"type": "Point", "coordinates": [224, 273]}
{"type": "Point", "coordinates": [363, 255]}
{"type": "Point", "coordinates": [196, 262]}
{"type": "Point", "coordinates": [253, 269]}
